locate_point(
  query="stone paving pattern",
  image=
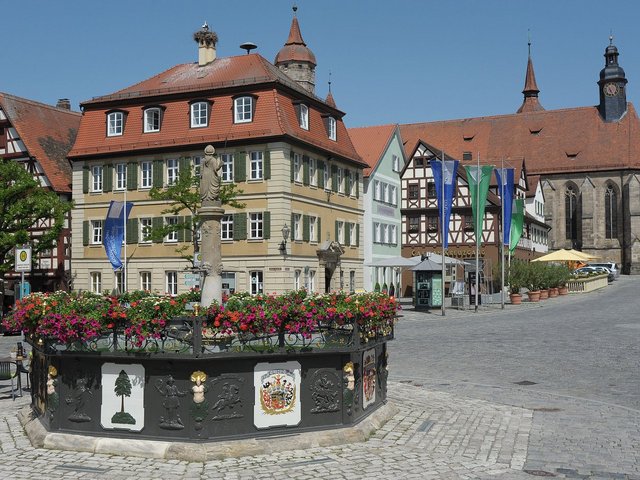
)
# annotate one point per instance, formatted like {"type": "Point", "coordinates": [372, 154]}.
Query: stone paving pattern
{"type": "Point", "coordinates": [461, 413]}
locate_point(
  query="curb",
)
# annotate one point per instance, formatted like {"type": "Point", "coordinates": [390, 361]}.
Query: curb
{"type": "Point", "coordinates": [201, 452]}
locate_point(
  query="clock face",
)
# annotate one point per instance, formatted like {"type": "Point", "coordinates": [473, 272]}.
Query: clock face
{"type": "Point", "coordinates": [610, 89]}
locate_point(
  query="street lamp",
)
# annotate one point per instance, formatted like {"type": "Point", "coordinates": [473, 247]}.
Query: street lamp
{"type": "Point", "coordinates": [285, 237]}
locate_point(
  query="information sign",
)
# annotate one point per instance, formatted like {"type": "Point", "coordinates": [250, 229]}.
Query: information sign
{"type": "Point", "coordinates": [23, 259]}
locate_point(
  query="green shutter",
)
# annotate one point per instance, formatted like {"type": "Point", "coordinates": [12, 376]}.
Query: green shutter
{"type": "Point", "coordinates": [239, 226]}
{"type": "Point", "coordinates": [85, 179]}
{"type": "Point", "coordinates": [266, 225]}
{"type": "Point", "coordinates": [305, 228]}
{"type": "Point", "coordinates": [267, 165]}
{"type": "Point", "coordinates": [336, 231]}
{"type": "Point", "coordinates": [188, 234]}
{"type": "Point", "coordinates": [347, 235]}
{"type": "Point", "coordinates": [132, 230]}
{"type": "Point", "coordinates": [156, 223]}
{"type": "Point", "coordinates": [320, 174]}
{"type": "Point", "coordinates": [319, 232]}
{"type": "Point", "coordinates": [357, 185]}
{"type": "Point", "coordinates": [132, 176]}
{"type": "Point", "coordinates": [158, 173]}
{"type": "Point", "coordinates": [292, 225]}
{"type": "Point", "coordinates": [357, 234]}
{"type": "Point", "coordinates": [334, 178]}
{"type": "Point", "coordinates": [107, 173]}
{"type": "Point", "coordinates": [291, 161]}
{"type": "Point", "coordinates": [184, 164]}
{"type": "Point", "coordinates": [240, 169]}
{"type": "Point", "coordinates": [180, 232]}
{"type": "Point", "coordinates": [305, 170]}
{"type": "Point", "coordinates": [85, 233]}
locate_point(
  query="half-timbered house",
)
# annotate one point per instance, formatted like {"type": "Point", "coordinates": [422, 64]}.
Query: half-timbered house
{"type": "Point", "coordinates": [39, 136]}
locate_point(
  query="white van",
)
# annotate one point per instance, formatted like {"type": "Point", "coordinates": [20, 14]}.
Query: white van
{"type": "Point", "coordinates": [611, 266]}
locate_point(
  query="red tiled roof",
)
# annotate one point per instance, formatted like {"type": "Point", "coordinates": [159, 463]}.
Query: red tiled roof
{"type": "Point", "coordinates": [47, 132]}
{"type": "Point", "coordinates": [274, 115]}
{"type": "Point", "coordinates": [551, 141]}
{"type": "Point", "coordinates": [371, 143]}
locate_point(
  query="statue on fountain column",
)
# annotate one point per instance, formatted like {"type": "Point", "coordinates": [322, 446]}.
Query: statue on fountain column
{"type": "Point", "coordinates": [210, 181]}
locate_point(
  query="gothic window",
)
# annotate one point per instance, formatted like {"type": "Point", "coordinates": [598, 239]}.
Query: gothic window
{"type": "Point", "coordinates": [610, 212]}
{"type": "Point", "coordinates": [572, 214]}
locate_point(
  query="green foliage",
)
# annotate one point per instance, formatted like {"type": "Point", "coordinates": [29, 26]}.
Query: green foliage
{"type": "Point", "coordinates": [377, 287]}
{"type": "Point", "coordinates": [184, 198]}
{"type": "Point", "coordinates": [517, 275]}
{"type": "Point", "coordinates": [536, 276]}
{"type": "Point", "coordinates": [24, 204]}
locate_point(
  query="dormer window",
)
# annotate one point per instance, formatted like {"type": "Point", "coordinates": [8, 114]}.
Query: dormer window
{"type": "Point", "coordinates": [304, 116]}
{"type": "Point", "coordinates": [199, 114]}
{"type": "Point", "coordinates": [152, 119]}
{"type": "Point", "coordinates": [115, 124]}
{"type": "Point", "coordinates": [331, 128]}
{"type": "Point", "coordinates": [243, 109]}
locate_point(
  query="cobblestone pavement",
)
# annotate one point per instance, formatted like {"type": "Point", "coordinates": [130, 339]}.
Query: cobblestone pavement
{"type": "Point", "coordinates": [574, 412]}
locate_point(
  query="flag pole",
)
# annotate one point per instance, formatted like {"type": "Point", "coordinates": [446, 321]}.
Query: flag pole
{"type": "Point", "coordinates": [501, 230]}
{"type": "Point", "coordinates": [478, 230]}
{"type": "Point", "coordinates": [442, 230]}
{"type": "Point", "coordinates": [124, 226]}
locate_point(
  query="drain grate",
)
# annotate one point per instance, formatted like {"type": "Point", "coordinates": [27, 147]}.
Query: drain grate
{"type": "Point", "coordinates": [80, 468]}
{"type": "Point", "coordinates": [539, 473]}
{"type": "Point", "coordinates": [315, 461]}
{"type": "Point", "coordinates": [546, 409]}
{"type": "Point", "coordinates": [426, 426]}
{"type": "Point", "coordinates": [525, 382]}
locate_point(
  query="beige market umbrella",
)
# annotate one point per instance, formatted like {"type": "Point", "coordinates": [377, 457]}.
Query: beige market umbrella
{"type": "Point", "coordinates": [563, 255]}
{"type": "Point", "coordinates": [585, 256]}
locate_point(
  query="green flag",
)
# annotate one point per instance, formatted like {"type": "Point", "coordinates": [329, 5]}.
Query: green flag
{"type": "Point", "coordinates": [517, 222]}
{"type": "Point", "coordinates": [479, 179]}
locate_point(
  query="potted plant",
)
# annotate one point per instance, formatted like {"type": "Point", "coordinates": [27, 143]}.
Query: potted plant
{"type": "Point", "coordinates": [545, 280]}
{"type": "Point", "coordinates": [516, 278]}
{"type": "Point", "coordinates": [564, 275]}
{"type": "Point", "coordinates": [534, 281]}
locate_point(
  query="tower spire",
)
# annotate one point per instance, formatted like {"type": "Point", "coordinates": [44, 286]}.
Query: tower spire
{"type": "Point", "coordinates": [531, 90]}
{"type": "Point", "coordinates": [612, 86]}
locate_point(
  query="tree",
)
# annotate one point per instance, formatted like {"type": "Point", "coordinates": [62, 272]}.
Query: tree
{"type": "Point", "coordinates": [24, 204]}
{"type": "Point", "coordinates": [123, 388]}
{"type": "Point", "coordinates": [184, 196]}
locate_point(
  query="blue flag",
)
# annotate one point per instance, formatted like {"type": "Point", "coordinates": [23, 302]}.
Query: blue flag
{"type": "Point", "coordinates": [505, 177]}
{"type": "Point", "coordinates": [114, 231]}
{"type": "Point", "coordinates": [444, 207]}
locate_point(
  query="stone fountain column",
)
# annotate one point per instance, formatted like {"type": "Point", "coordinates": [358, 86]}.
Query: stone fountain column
{"type": "Point", "coordinates": [211, 213]}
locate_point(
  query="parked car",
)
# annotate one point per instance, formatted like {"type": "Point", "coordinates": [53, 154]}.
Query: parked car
{"type": "Point", "coordinates": [594, 269]}
{"type": "Point", "coordinates": [611, 266]}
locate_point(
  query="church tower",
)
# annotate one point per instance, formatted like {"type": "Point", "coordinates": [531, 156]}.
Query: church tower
{"type": "Point", "coordinates": [296, 59]}
{"type": "Point", "coordinates": [612, 86]}
{"type": "Point", "coordinates": [531, 90]}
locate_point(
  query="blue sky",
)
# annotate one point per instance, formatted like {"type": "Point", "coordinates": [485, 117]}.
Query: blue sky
{"type": "Point", "coordinates": [390, 62]}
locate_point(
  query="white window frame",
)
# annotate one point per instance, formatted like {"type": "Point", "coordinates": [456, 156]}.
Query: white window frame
{"type": "Point", "coordinates": [395, 159]}
{"type": "Point", "coordinates": [199, 114]}
{"type": "Point", "coordinates": [376, 190]}
{"type": "Point", "coordinates": [297, 227]}
{"type": "Point", "coordinates": [227, 167]}
{"type": "Point", "coordinates": [96, 282]}
{"type": "Point", "coordinates": [197, 166]}
{"type": "Point", "coordinates": [377, 232]}
{"type": "Point", "coordinates": [152, 120]}
{"type": "Point", "coordinates": [312, 280]}
{"type": "Point", "coordinates": [327, 176]}
{"type": "Point", "coordinates": [121, 176]}
{"type": "Point", "coordinates": [97, 178]}
{"type": "Point", "coordinates": [243, 109]}
{"type": "Point", "coordinates": [226, 227]}
{"type": "Point", "coordinates": [385, 234]}
{"type": "Point", "coordinates": [313, 227]}
{"type": "Point", "coordinates": [393, 193]}
{"type": "Point", "coordinates": [145, 281]}
{"type": "Point", "coordinates": [145, 225]}
{"type": "Point", "coordinates": [96, 232]}
{"type": "Point", "coordinates": [385, 193]}
{"type": "Point", "coordinates": [304, 116]}
{"type": "Point", "coordinates": [313, 171]}
{"type": "Point", "coordinates": [394, 234]}
{"type": "Point", "coordinates": [340, 180]}
{"type": "Point", "coordinates": [352, 234]}
{"type": "Point", "coordinates": [257, 165]}
{"type": "Point", "coordinates": [115, 124]}
{"type": "Point", "coordinates": [172, 237]}
{"type": "Point", "coordinates": [297, 275]}
{"type": "Point", "coordinates": [297, 167]}
{"type": "Point", "coordinates": [256, 226]}
{"type": "Point", "coordinates": [256, 281]}
{"type": "Point", "coordinates": [119, 281]}
{"type": "Point", "coordinates": [332, 129]}
{"type": "Point", "coordinates": [171, 282]}
{"type": "Point", "coordinates": [173, 170]}
{"type": "Point", "coordinates": [146, 174]}
{"type": "Point", "coordinates": [340, 232]}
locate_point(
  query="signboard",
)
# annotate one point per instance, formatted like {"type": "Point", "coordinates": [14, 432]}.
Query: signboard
{"type": "Point", "coordinates": [23, 259]}
{"type": "Point", "coordinates": [191, 279]}
{"type": "Point", "coordinates": [436, 291]}
{"type": "Point", "coordinates": [197, 259]}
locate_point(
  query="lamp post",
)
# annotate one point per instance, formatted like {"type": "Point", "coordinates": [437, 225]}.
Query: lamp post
{"type": "Point", "coordinates": [285, 237]}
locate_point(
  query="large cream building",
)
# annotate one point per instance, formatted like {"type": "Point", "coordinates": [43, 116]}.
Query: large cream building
{"type": "Point", "coordinates": [285, 148]}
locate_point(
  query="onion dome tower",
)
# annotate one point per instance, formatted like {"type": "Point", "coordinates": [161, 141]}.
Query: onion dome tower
{"type": "Point", "coordinates": [612, 86]}
{"type": "Point", "coordinates": [296, 59]}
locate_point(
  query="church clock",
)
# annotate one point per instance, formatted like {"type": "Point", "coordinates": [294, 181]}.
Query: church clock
{"type": "Point", "coordinates": [611, 89]}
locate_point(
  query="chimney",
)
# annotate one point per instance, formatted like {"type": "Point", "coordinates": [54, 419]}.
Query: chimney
{"type": "Point", "coordinates": [64, 103]}
{"type": "Point", "coordinates": [206, 40]}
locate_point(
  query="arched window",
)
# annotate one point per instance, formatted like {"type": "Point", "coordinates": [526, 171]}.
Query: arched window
{"type": "Point", "coordinates": [610, 212]}
{"type": "Point", "coordinates": [573, 224]}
